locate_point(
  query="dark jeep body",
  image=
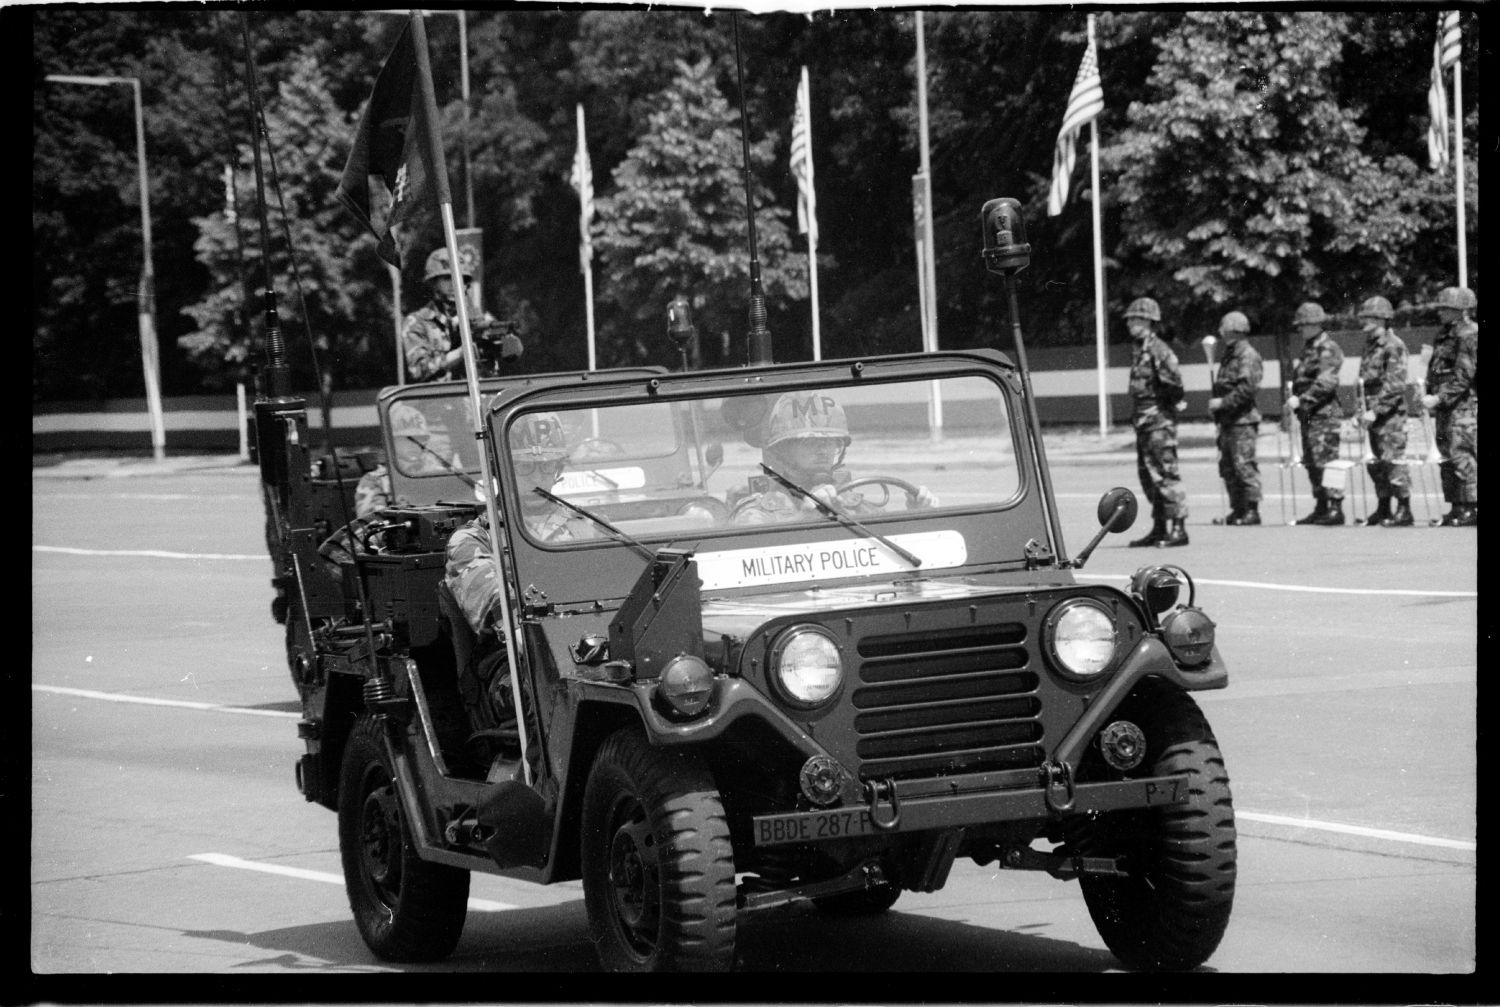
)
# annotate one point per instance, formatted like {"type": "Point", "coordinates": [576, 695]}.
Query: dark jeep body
{"type": "Point", "coordinates": [684, 755]}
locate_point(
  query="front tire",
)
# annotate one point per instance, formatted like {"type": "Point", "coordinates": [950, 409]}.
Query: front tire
{"type": "Point", "coordinates": [658, 866]}
{"type": "Point", "coordinates": [407, 910]}
{"type": "Point", "coordinates": [1171, 913]}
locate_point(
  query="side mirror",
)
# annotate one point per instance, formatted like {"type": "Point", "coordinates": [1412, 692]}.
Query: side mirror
{"type": "Point", "coordinates": [1117, 509]}
{"type": "Point", "coordinates": [1117, 512]}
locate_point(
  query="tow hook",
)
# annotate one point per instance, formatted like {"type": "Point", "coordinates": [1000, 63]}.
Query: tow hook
{"type": "Point", "coordinates": [1057, 781]}
{"type": "Point", "coordinates": [873, 790]}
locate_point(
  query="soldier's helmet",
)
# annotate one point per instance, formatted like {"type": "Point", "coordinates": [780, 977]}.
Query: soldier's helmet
{"type": "Point", "coordinates": [1143, 307]}
{"type": "Point", "coordinates": [799, 415]}
{"type": "Point", "coordinates": [437, 264]}
{"type": "Point", "coordinates": [1234, 321]}
{"type": "Point", "coordinates": [407, 422]}
{"type": "Point", "coordinates": [1461, 298]}
{"type": "Point", "coordinates": [1311, 313]}
{"type": "Point", "coordinates": [1376, 307]}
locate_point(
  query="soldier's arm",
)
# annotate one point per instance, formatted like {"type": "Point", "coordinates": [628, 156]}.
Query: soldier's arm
{"type": "Point", "coordinates": [1390, 393]}
{"type": "Point", "coordinates": [423, 362]}
{"type": "Point", "coordinates": [1325, 384]}
{"type": "Point", "coordinates": [470, 574]}
{"type": "Point", "coordinates": [1169, 380]}
{"type": "Point", "coordinates": [1241, 394]}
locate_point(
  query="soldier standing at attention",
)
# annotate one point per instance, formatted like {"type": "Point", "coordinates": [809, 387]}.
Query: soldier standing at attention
{"type": "Point", "coordinates": [1453, 400]}
{"type": "Point", "coordinates": [1315, 385]}
{"type": "Point", "coordinates": [1382, 377]}
{"type": "Point", "coordinates": [430, 337]}
{"type": "Point", "coordinates": [1156, 397]}
{"type": "Point", "coordinates": [1232, 405]}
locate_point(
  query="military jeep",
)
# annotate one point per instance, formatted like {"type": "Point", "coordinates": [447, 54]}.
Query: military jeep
{"type": "Point", "coordinates": [736, 682]}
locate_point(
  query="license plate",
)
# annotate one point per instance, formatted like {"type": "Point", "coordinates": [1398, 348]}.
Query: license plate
{"type": "Point", "coordinates": [812, 827]}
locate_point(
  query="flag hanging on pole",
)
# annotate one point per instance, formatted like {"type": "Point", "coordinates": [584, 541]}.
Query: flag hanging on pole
{"type": "Point", "coordinates": [389, 145]}
{"type": "Point", "coordinates": [582, 180]}
{"type": "Point", "coordinates": [1446, 49]}
{"type": "Point", "coordinates": [1086, 102]}
{"type": "Point", "coordinates": [802, 166]}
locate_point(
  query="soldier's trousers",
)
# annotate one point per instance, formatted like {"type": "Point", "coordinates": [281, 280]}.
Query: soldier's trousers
{"type": "Point", "coordinates": [1156, 463]}
{"type": "Point", "coordinates": [1320, 446]}
{"type": "Point", "coordinates": [1237, 465]}
{"type": "Point", "coordinates": [1457, 436]}
{"type": "Point", "coordinates": [1388, 445]}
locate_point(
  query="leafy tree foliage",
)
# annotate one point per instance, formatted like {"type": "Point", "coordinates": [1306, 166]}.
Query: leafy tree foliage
{"type": "Point", "coordinates": [676, 224]}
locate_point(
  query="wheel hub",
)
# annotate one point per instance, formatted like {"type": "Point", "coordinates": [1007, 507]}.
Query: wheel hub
{"type": "Point", "coordinates": [633, 882]}
{"type": "Point", "coordinates": [380, 838]}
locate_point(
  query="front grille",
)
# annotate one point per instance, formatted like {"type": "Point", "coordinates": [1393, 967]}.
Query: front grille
{"type": "Point", "coordinates": [959, 700]}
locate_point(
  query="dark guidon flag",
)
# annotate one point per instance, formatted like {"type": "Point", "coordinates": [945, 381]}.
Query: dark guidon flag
{"type": "Point", "coordinates": [390, 145]}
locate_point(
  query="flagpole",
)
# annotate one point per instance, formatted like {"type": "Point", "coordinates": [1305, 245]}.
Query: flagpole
{"type": "Point", "coordinates": [812, 226]}
{"type": "Point", "coordinates": [1102, 349]}
{"type": "Point", "coordinates": [1458, 171]}
{"type": "Point", "coordinates": [471, 366]}
{"type": "Point", "coordinates": [585, 256]}
{"type": "Point", "coordinates": [928, 265]}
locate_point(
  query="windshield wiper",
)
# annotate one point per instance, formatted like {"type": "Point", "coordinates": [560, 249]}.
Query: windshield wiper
{"type": "Point", "coordinates": [614, 532]}
{"type": "Point", "coordinates": [835, 514]}
{"type": "Point", "coordinates": [445, 463]}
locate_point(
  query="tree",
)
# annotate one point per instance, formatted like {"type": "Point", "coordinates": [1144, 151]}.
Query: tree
{"type": "Point", "coordinates": [675, 224]}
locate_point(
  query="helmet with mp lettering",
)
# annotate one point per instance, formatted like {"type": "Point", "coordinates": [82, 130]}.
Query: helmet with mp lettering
{"type": "Point", "coordinates": [1143, 307]}
{"type": "Point", "coordinates": [1310, 313]}
{"type": "Point", "coordinates": [806, 435]}
{"type": "Point", "coordinates": [538, 452]}
{"type": "Point", "coordinates": [1377, 307]}
{"type": "Point", "coordinates": [1234, 322]}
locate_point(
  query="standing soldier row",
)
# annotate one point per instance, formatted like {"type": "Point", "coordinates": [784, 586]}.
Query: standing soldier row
{"type": "Point", "coordinates": [1452, 399]}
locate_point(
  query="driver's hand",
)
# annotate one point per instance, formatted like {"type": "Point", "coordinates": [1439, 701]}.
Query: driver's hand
{"type": "Point", "coordinates": [925, 498]}
{"type": "Point", "coordinates": [828, 493]}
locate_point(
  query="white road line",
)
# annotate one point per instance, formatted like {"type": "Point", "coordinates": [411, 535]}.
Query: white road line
{"type": "Point", "coordinates": [1357, 830]}
{"type": "Point", "coordinates": [225, 860]}
{"type": "Point", "coordinates": [1303, 588]}
{"type": "Point", "coordinates": [152, 553]}
{"type": "Point", "coordinates": [117, 697]}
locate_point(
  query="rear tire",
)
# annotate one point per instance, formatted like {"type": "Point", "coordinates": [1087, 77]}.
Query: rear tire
{"type": "Point", "coordinates": [1173, 910]}
{"type": "Point", "coordinates": [407, 910]}
{"type": "Point", "coordinates": [658, 866]}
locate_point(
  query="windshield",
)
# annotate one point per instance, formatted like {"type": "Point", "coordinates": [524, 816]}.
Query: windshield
{"type": "Point", "coordinates": [865, 458]}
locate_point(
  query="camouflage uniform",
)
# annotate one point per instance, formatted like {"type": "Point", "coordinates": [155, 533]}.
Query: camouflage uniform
{"type": "Point", "coordinates": [1382, 375]}
{"type": "Point", "coordinates": [373, 492]}
{"type": "Point", "coordinates": [1315, 382]}
{"type": "Point", "coordinates": [1155, 391]}
{"type": "Point", "coordinates": [1236, 383]}
{"type": "Point", "coordinates": [767, 502]}
{"type": "Point", "coordinates": [429, 333]}
{"type": "Point", "coordinates": [1453, 376]}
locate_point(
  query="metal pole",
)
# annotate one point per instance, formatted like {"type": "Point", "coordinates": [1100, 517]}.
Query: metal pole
{"type": "Point", "coordinates": [1102, 350]}
{"type": "Point", "coordinates": [928, 264]}
{"type": "Point", "coordinates": [463, 72]}
{"type": "Point", "coordinates": [146, 290]}
{"type": "Point", "coordinates": [1458, 172]}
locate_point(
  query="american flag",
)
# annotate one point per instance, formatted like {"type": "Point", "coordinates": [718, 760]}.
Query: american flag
{"type": "Point", "coordinates": [1446, 49]}
{"type": "Point", "coordinates": [802, 166]}
{"type": "Point", "coordinates": [582, 180]}
{"type": "Point", "coordinates": [1086, 102]}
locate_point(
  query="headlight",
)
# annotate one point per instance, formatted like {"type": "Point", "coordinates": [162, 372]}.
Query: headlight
{"type": "Point", "coordinates": [686, 685]}
{"type": "Point", "coordinates": [805, 665]}
{"type": "Point", "coordinates": [1083, 638]}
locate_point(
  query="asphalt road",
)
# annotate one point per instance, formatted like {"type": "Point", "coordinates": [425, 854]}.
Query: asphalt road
{"type": "Point", "coordinates": [171, 839]}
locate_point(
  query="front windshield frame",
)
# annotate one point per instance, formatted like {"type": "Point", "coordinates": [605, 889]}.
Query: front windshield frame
{"type": "Point", "coordinates": [594, 545]}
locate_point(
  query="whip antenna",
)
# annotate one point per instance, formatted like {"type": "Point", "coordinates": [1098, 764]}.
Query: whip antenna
{"type": "Point", "coordinates": [278, 374]}
{"type": "Point", "coordinates": [760, 336]}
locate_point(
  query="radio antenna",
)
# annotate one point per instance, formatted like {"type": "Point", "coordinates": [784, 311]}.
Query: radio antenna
{"type": "Point", "coordinates": [760, 336]}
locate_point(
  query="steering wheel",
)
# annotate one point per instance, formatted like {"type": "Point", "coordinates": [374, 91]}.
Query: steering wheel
{"type": "Point", "coordinates": [884, 482]}
{"type": "Point", "coordinates": [596, 447]}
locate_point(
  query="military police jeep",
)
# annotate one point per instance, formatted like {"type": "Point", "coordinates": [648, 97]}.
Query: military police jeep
{"type": "Point", "coordinates": [812, 634]}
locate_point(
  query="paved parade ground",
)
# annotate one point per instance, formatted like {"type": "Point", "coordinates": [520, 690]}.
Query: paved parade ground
{"type": "Point", "coordinates": [168, 836]}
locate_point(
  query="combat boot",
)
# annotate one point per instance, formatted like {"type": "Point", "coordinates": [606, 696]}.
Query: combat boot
{"type": "Point", "coordinates": [1401, 516]}
{"type": "Point", "coordinates": [1469, 518]}
{"type": "Point", "coordinates": [1379, 514]}
{"type": "Point", "coordinates": [1451, 518]}
{"type": "Point", "coordinates": [1177, 536]}
{"type": "Point", "coordinates": [1249, 514]}
{"type": "Point", "coordinates": [1318, 513]}
{"type": "Point", "coordinates": [1333, 512]}
{"type": "Point", "coordinates": [1155, 535]}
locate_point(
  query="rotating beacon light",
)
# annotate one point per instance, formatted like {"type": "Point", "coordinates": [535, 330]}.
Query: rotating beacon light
{"type": "Point", "coordinates": [680, 329]}
{"type": "Point", "coordinates": [1006, 251]}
